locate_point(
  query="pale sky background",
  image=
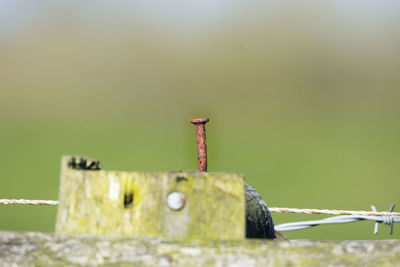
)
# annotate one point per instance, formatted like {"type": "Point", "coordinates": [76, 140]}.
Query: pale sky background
{"type": "Point", "coordinates": [17, 16]}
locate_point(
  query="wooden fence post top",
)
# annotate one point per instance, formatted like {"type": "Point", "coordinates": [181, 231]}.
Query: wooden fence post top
{"type": "Point", "coordinates": [179, 204]}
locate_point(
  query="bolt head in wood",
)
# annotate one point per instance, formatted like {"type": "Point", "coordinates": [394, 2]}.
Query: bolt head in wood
{"type": "Point", "coordinates": [176, 200]}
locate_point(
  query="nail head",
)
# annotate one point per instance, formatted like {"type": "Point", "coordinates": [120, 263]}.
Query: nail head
{"type": "Point", "coordinates": [199, 120]}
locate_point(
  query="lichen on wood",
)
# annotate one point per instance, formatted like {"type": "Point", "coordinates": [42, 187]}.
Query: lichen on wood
{"type": "Point", "coordinates": [39, 249]}
{"type": "Point", "coordinates": [134, 203]}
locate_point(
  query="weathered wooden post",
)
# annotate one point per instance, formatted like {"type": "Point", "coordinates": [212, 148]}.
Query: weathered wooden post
{"type": "Point", "coordinates": [182, 204]}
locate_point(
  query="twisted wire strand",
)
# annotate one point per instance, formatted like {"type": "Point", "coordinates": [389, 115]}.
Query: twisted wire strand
{"type": "Point", "coordinates": [337, 219]}
{"type": "Point", "coordinates": [347, 216]}
{"type": "Point", "coordinates": [28, 202]}
{"type": "Point", "coordinates": [272, 209]}
{"type": "Point", "coordinates": [334, 212]}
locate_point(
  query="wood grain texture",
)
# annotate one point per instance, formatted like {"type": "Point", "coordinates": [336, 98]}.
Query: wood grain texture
{"type": "Point", "coordinates": [39, 249]}
{"type": "Point", "coordinates": [134, 203]}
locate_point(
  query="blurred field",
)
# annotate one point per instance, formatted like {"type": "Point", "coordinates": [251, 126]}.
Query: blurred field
{"type": "Point", "coordinates": [303, 99]}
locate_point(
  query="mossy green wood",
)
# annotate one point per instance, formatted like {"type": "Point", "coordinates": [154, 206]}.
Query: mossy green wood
{"type": "Point", "coordinates": [40, 249]}
{"type": "Point", "coordinates": [92, 202]}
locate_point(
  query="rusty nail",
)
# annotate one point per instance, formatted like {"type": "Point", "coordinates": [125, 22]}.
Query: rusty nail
{"type": "Point", "coordinates": [200, 124]}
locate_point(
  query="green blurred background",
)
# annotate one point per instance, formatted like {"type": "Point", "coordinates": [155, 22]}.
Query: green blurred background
{"type": "Point", "coordinates": [303, 98]}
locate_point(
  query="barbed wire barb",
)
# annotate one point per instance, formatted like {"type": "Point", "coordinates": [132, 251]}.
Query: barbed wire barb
{"type": "Point", "coordinates": [386, 218]}
{"type": "Point", "coordinates": [333, 212]}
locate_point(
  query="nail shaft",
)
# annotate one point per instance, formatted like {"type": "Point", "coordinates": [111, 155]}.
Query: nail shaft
{"type": "Point", "coordinates": [200, 125]}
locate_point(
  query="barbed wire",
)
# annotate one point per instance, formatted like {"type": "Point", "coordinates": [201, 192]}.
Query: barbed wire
{"type": "Point", "coordinates": [273, 209]}
{"type": "Point", "coordinates": [28, 202]}
{"type": "Point", "coordinates": [339, 219]}
{"type": "Point", "coordinates": [385, 217]}
{"type": "Point", "coordinates": [334, 212]}
{"type": "Point", "coordinates": [347, 216]}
